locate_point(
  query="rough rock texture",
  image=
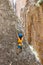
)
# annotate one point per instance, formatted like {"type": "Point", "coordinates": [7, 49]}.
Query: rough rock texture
{"type": "Point", "coordinates": [19, 5]}
{"type": "Point", "coordinates": [33, 18]}
{"type": "Point", "coordinates": [8, 39]}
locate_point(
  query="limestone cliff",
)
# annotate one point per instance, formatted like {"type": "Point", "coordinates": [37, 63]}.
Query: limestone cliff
{"type": "Point", "coordinates": [33, 19]}
{"type": "Point", "coordinates": [8, 39]}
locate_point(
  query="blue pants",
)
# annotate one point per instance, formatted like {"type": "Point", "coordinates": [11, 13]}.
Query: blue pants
{"type": "Point", "coordinates": [20, 47]}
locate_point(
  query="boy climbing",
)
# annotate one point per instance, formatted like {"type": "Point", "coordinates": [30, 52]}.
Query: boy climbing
{"type": "Point", "coordinates": [20, 40]}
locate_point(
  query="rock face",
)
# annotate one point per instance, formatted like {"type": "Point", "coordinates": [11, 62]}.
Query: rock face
{"type": "Point", "coordinates": [37, 31]}
{"type": "Point", "coordinates": [33, 19]}
{"type": "Point", "coordinates": [19, 5]}
{"type": "Point", "coordinates": [8, 39]}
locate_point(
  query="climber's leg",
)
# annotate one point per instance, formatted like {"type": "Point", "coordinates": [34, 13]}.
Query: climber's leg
{"type": "Point", "coordinates": [19, 49]}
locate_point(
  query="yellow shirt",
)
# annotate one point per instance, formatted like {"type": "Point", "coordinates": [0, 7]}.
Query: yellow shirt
{"type": "Point", "coordinates": [20, 41]}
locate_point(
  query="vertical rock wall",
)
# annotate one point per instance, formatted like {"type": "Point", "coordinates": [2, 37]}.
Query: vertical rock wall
{"type": "Point", "coordinates": [34, 21]}
{"type": "Point", "coordinates": [37, 31]}
{"type": "Point", "coordinates": [32, 18]}
{"type": "Point", "coordinates": [19, 4]}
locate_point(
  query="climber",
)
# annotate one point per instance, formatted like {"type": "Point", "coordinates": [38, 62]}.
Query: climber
{"type": "Point", "coordinates": [20, 40]}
